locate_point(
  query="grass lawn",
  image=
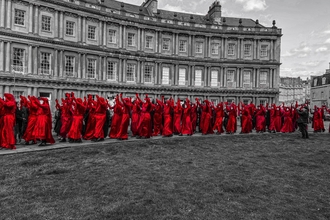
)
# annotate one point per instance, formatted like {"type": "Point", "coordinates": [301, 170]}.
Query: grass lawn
{"type": "Point", "coordinates": [269, 176]}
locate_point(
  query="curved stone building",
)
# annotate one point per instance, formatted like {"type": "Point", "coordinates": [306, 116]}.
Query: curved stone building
{"type": "Point", "coordinates": [105, 47]}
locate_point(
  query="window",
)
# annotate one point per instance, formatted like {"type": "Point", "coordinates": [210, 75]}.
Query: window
{"type": "Point", "coordinates": [45, 23]}
{"type": "Point", "coordinates": [198, 77]}
{"type": "Point", "coordinates": [69, 65]}
{"type": "Point", "coordinates": [112, 71]}
{"type": "Point", "coordinates": [231, 79]}
{"type": "Point", "coordinates": [247, 49]}
{"type": "Point", "coordinates": [231, 49]}
{"type": "Point", "coordinates": [45, 64]}
{"type": "Point", "coordinates": [166, 44]}
{"type": "Point", "coordinates": [91, 68]}
{"type": "Point", "coordinates": [263, 102]}
{"type": "Point", "coordinates": [182, 76]}
{"type": "Point", "coordinates": [322, 95]}
{"type": "Point", "coordinates": [315, 82]}
{"type": "Point", "coordinates": [199, 47]}
{"type": "Point", "coordinates": [19, 17]}
{"type": "Point", "coordinates": [182, 45]}
{"type": "Point", "coordinates": [246, 79]}
{"type": "Point", "coordinates": [112, 36]}
{"type": "Point", "coordinates": [214, 49]}
{"type": "Point", "coordinates": [148, 74]}
{"type": "Point", "coordinates": [149, 42]}
{"type": "Point", "coordinates": [69, 28]}
{"type": "Point", "coordinates": [324, 79]}
{"type": "Point", "coordinates": [166, 76]}
{"type": "Point", "coordinates": [131, 39]}
{"type": "Point", "coordinates": [91, 32]}
{"type": "Point", "coordinates": [19, 60]}
{"type": "Point", "coordinates": [263, 77]}
{"type": "Point", "coordinates": [214, 78]}
{"type": "Point", "coordinates": [130, 73]}
{"type": "Point", "coordinates": [264, 51]}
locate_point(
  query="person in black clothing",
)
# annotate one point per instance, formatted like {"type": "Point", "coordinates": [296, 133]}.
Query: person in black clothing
{"type": "Point", "coordinates": [303, 121]}
{"type": "Point", "coordinates": [19, 124]}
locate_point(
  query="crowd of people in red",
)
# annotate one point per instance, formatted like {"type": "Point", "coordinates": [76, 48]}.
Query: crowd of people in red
{"type": "Point", "coordinates": [76, 119]}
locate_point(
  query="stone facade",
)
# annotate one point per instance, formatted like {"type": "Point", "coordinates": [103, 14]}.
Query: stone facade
{"type": "Point", "coordinates": [291, 90]}
{"type": "Point", "coordinates": [51, 47]}
{"type": "Point", "coordinates": [320, 89]}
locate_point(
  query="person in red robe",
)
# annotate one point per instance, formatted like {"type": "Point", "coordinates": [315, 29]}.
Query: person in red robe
{"type": "Point", "coordinates": [116, 118]}
{"type": "Point", "coordinates": [7, 135]}
{"type": "Point", "coordinates": [194, 116]}
{"type": "Point", "coordinates": [246, 126]}
{"type": "Point", "coordinates": [100, 117]}
{"type": "Point", "coordinates": [158, 117]}
{"type": "Point", "coordinates": [32, 120]}
{"type": "Point", "coordinates": [90, 125]}
{"type": "Point", "coordinates": [66, 116]}
{"type": "Point", "coordinates": [186, 119]}
{"type": "Point", "coordinates": [287, 125]}
{"type": "Point", "coordinates": [43, 128]}
{"type": "Point", "coordinates": [231, 124]}
{"type": "Point", "coordinates": [136, 111]}
{"type": "Point", "coordinates": [260, 116]}
{"type": "Point", "coordinates": [123, 128]}
{"type": "Point", "coordinates": [278, 119]}
{"type": "Point", "coordinates": [75, 132]}
{"type": "Point", "coordinates": [145, 130]}
{"type": "Point", "coordinates": [167, 113]}
{"type": "Point", "coordinates": [219, 114]}
{"type": "Point", "coordinates": [177, 117]}
{"type": "Point", "coordinates": [317, 120]}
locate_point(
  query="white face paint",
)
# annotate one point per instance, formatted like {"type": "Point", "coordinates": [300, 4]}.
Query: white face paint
{"type": "Point", "coordinates": [41, 101]}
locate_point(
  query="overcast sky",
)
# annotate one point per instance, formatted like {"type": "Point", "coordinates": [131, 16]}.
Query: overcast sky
{"type": "Point", "coordinates": [305, 26]}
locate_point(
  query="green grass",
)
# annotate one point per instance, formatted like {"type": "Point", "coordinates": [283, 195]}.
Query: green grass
{"type": "Point", "coordinates": [270, 176]}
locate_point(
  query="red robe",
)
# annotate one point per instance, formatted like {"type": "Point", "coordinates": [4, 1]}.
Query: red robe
{"type": "Point", "coordinates": [246, 120]}
{"type": "Point", "coordinates": [123, 129]}
{"type": "Point", "coordinates": [90, 121]}
{"type": "Point", "coordinates": [7, 136]}
{"type": "Point", "coordinates": [66, 118]}
{"type": "Point", "coordinates": [136, 110]}
{"type": "Point", "coordinates": [168, 122]}
{"type": "Point", "coordinates": [219, 114]}
{"type": "Point", "coordinates": [260, 120]}
{"type": "Point", "coordinates": [231, 124]}
{"type": "Point", "coordinates": [77, 121]}
{"type": "Point", "coordinates": [287, 125]}
{"type": "Point", "coordinates": [100, 117]}
{"type": "Point", "coordinates": [186, 120]}
{"type": "Point", "coordinates": [158, 127]}
{"type": "Point", "coordinates": [32, 120]}
{"type": "Point", "coordinates": [177, 118]}
{"type": "Point", "coordinates": [116, 120]}
{"type": "Point", "coordinates": [43, 127]}
{"type": "Point", "coordinates": [194, 117]}
{"type": "Point", "coordinates": [145, 120]}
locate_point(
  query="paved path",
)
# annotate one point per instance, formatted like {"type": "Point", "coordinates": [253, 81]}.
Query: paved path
{"type": "Point", "coordinates": [21, 148]}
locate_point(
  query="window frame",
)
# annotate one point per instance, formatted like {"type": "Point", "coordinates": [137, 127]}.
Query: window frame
{"type": "Point", "coordinates": [199, 47]}
{"type": "Point", "coordinates": [70, 28]}
{"type": "Point", "coordinates": [91, 66]}
{"type": "Point", "coordinates": [263, 50]}
{"type": "Point", "coordinates": [18, 18]}
{"type": "Point", "coordinates": [43, 70]}
{"type": "Point", "coordinates": [67, 68]}
{"type": "Point", "coordinates": [215, 48]}
{"type": "Point", "coordinates": [183, 46]}
{"type": "Point", "coordinates": [130, 69]}
{"type": "Point", "coordinates": [166, 44]}
{"type": "Point", "coordinates": [231, 51]}
{"type": "Point", "coordinates": [47, 25]}
{"type": "Point", "coordinates": [91, 32]}
{"type": "Point", "coordinates": [112, 37]}
{"type": "Point", "coordinates": [131, 39]}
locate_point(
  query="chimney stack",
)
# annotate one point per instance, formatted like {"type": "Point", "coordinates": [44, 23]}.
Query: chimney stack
{"type": "Point", "coordinates": [215, 11]}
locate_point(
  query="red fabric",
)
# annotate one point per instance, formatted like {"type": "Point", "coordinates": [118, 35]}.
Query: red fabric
{"type": "Point", "coordinates": [231, 124]}
{"type": "Point", "coordinates": [206, 118]}
{"type": "Point", "coordinates": [116, 121]}
{"type": "Point", "coordinates": [219, 114]}
{"type": "Point", "coordinates": [158, 127]}
{"type": "Point", "coordinates": [278, 120]}
{"type": "Point", "coordinates": [123, 130]}
{"type": "Point", "coordinates": [186, 120]}
{"type": "Point", "coordinates": [7, 136]}
{"type": "Point", "coordinates": [287, 125]}
{"type": "Point", "coordinates": [100, 117]}
{"type": "Point", "coordinates": [246, 121]}
{"type": "Point", "coordinates": [260, 120]}
{"type": "Point", "coordinates": [145, 120]}
{"type": "Point", "coordinates": [135, 117]}
{"type": "Point", "coordinates": [318, 121]}
{"type": "Point", "coordinates": [32, 120]}
{"type": "Point", "coordinates": [90, 126]}
{"type": "Point", "coordinates": [194, 117]}
{"type": "Point", "coordinates": [43, 127]}
{"type": "Point", "coordinates": [168, 122]}
{"type": "Point", "coordinates": [177, 118]}
{"type": "Point", "coordinates": [77, 121]}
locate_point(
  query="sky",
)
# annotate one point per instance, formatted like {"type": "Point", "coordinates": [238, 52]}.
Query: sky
{"type": "Point", "coordinates": [305, 24]}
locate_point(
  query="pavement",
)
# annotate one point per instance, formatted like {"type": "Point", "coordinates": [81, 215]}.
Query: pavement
{"type": "Point", "coordinates": [22, 148]}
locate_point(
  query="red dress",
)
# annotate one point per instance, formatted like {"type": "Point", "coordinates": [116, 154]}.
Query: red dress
{"type": "Point", "coordinates": [136, 110]}
{"type": "Point", "coordinates": [168, 122]}
{"type": "Point", "coordinates": [260, 120]}
{"type": "Point", "coordinates": [177, 118]}
{"type": "Point", "coordinates": [145, 120]}
{"type": "Point", "coordinates": [77, 121]}
{"type": "Point", "coordinates": [116, 120]}
{"type": "Point", "coordinates": [91, 120]}
{"type": "Point", "coordinates": [186, 120]}
{"type": "Point", "coordinates": [231, 124]}
{"type": "Point", "coordinates": [32, 119]}
{"type": "Point", "coordinates": [66, 117]}
{"type": "Point", "coordinates": [100, 117]}
{"type": "Point", "coordinates": [123, 129]}
{"type": "Point", "coordinates": [246, 120]}
{"type": "Point", "coordinates": [158, 127]}
{"type": "Point", "coordinates": [219, 114]}
{"type": "Point", "coordinates": [287, 125]}
{"type": "Point", "coordinates": [7, 136]}
{"type": "Point", "coordinates": [43, 127]}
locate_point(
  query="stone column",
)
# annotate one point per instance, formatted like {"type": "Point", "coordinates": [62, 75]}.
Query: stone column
{"type": "Point", "coordinates": [120, 70]}
{"type": "Point", "coordinates": [208, 51]}
{"type": "Point", "coordinates": [189, 75]}
{"type": "Point", "coordinates": [271, 50]}
{"type": "Point", "coordinates": [176, 43]}
{"type": "Point", "coordinates": [104, 33]}
{"type": "Point", "coordinates": [160, 41]}
{"type": "Point", "coordinates": [2, 13]}
{"type": "Point", "coordinates": [205, 76]}
{"type": "Point", "coordinates": [192, 48]}
{"type": "Point", "coordinates": [56, 31]}
{"type": "Point", "coordinates": [225, 77]}
{"type": "Point", "coordinates": [100, 69]}
{"type": "Point", "coordinates": [100, 33]}
{"type": "Point", "coordinates": [258, 78]}
{"type": "Point", "coordinates": [221, 77]}
{"type": "Point", "coordinates": [155, 74]}
{"type": "Point", "coordinates": [123, 42]}
{"type": "Point", "coordinates": [241, 77]}
{"type": "Point", "coordinates": [36, 59]}
{"type": "Point", "coordinates": [9, 14]}
{"type": "Point", "coordinates": [1, 91]}
{"type": "Point", "coordinates": [31, 18]}
{"type": "Point", "coordinates": [30, 60]}
{"type": "Point", "coordinates": [120, 38]}
{"type": "Point", "coordinates": [36, 20]}
{"type": "Point", "coordinates": [242, 49]}
{"type": "Point", "coordinates": [225, 48]}
{"type": "Point", "coordinates": [156, 41]}
{"type": "Point", "coordinates": [61, 31]}
{"type": "Point", "coordinates": [104, 68]}
{"type": "Point", "coordinates": [8, 56]}
{"type": "Point", "coordinates": [270, 78]}
{"type": "Point", "coordinates": [193, 75]}
{"type": "Point", "coordinates": [79, 66]}
{"type": "Point", "coordinates": [83, 66]}
{"type": "Point", "coordinates": [238, 49]}
{"type": "Point", "coordinates": [140, 72]}
{"type": "Point", "coordinates": [257, 50]}
{"type": "Point", "coordinates": [2, 49]}
{"type": "Point", "coordinates": [83, 37]}
{"type": "Point", "coordinates": [139, 44]}
{"type": "Point", "coordinates": [79, 28]}
{"type": "Point", "coordinates": [61, 63]}
{"type": "Point", "coordinates": [124, 70]}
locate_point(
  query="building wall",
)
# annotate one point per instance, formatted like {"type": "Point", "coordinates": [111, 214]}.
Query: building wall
{"type": "Point", "coordinates": [147, 53]}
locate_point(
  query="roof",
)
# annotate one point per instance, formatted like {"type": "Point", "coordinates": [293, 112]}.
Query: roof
{"type": "Point", "coordinates": [172, 15]}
